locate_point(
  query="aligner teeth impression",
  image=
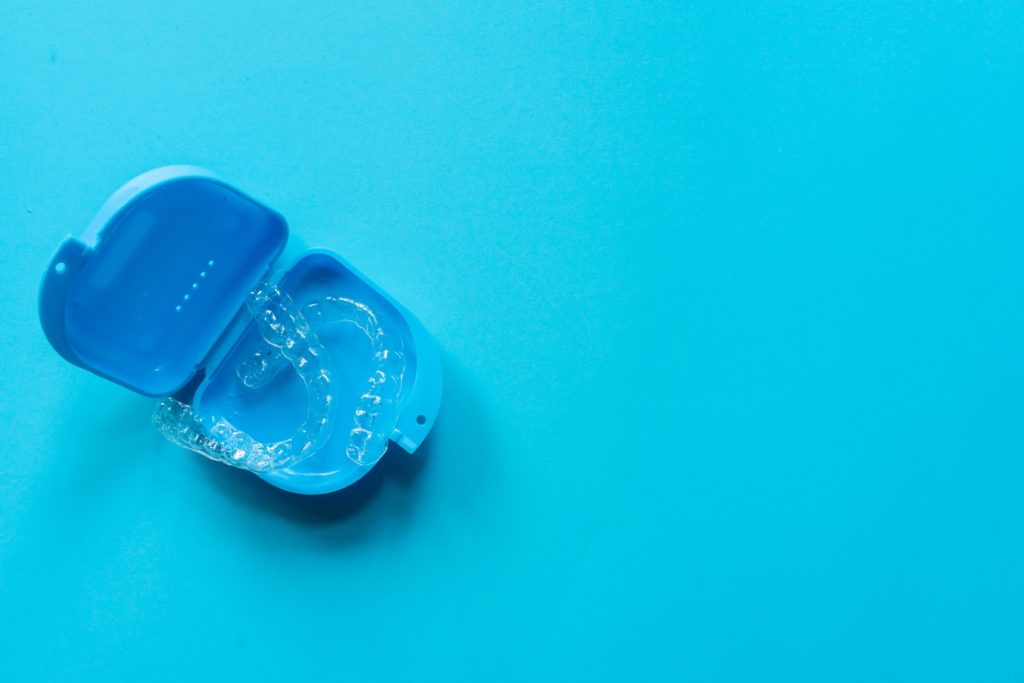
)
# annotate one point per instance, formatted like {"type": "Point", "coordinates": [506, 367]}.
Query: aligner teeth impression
{"type": "Point", "coordinates": [289, 339]}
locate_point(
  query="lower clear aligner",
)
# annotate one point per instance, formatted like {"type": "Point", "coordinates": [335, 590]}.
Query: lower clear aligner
{"type": "Point", "coordinates": [289, 337]}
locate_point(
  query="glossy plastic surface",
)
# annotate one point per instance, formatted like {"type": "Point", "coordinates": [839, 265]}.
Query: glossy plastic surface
{"type": "Point", "coordinates": [145, 294]}
{"type": "Point", "coordinates": [151, 296]}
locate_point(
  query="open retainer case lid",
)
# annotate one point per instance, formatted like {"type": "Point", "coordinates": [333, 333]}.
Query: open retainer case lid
{"type": "Point", "coordinates": [302, 375]}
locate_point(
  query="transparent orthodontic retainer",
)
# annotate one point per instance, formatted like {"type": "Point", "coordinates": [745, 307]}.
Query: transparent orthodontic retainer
{"type": "Point", "coordinates": [302, 376]}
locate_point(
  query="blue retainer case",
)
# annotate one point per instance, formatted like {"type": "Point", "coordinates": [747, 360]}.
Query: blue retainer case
{"type": "Point", "coordinates": [303, 376]}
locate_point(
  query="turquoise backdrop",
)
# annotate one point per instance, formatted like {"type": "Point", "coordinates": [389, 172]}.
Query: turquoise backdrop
{"type": "Point", "coordinates": [730, 302]}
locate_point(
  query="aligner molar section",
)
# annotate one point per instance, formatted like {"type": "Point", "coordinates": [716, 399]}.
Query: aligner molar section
{"type": "Point", "coordinates": [288, 336]}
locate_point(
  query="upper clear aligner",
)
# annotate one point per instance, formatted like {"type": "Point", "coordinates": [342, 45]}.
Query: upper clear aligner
{"type": "Point", "coordinates": [376, 411]}
{"type": "Point", "coordinates": [289, 338]}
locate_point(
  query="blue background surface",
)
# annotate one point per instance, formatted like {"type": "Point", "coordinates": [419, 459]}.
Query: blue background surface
{"type": "Point", "coordinates": [729, 299]}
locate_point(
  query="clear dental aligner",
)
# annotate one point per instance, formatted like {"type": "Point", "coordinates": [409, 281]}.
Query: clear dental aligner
{"type": "Point", "coordinates": [287, 332]}
{"type": "Point", "coordinates": [376, 412]}
{"type": "Point", "coordinates": [290, 337]}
